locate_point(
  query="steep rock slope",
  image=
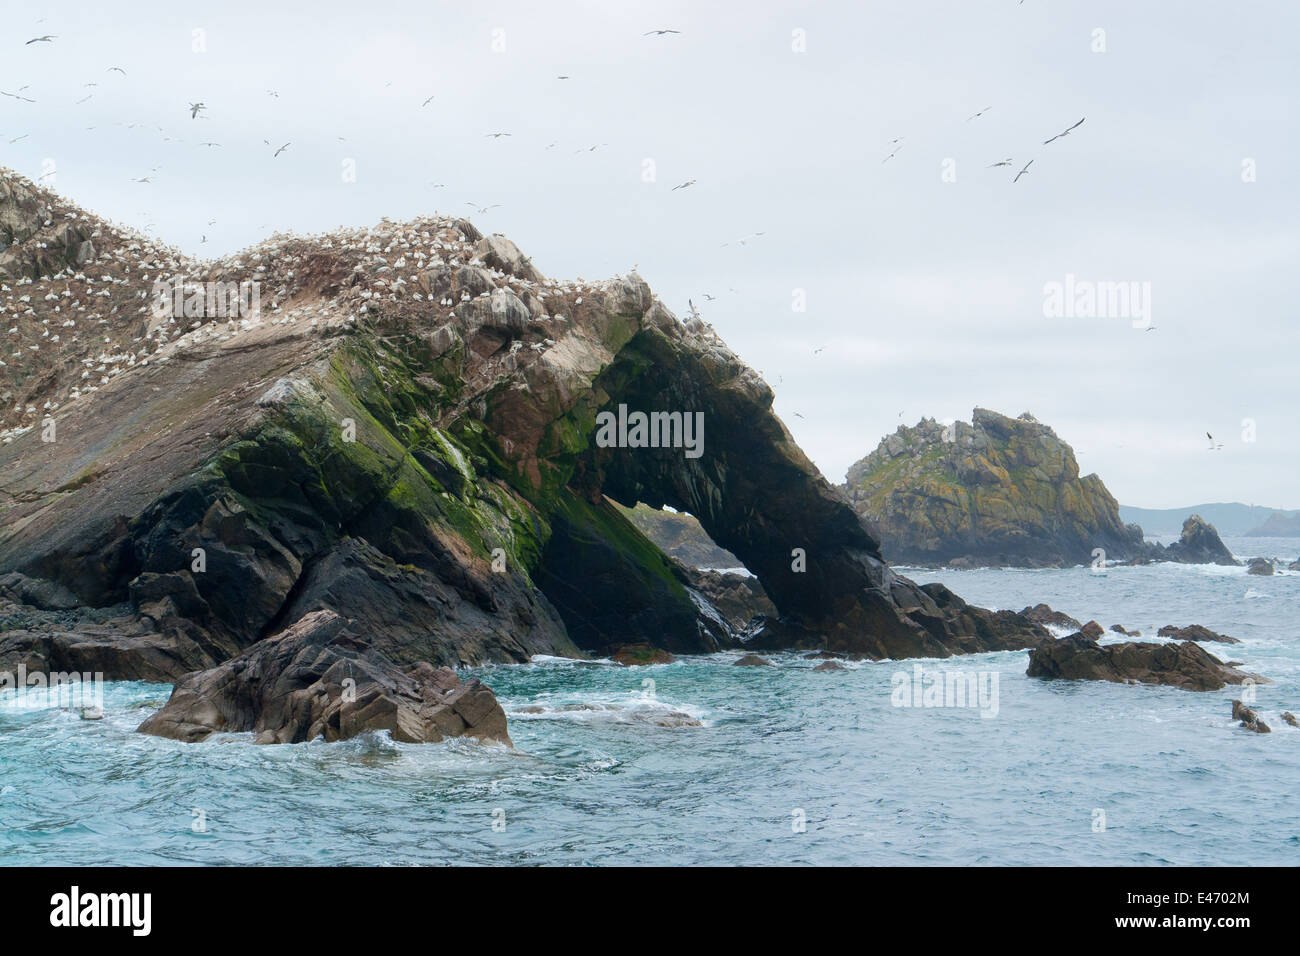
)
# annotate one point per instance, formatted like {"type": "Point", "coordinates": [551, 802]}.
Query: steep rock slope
{"type": "Point", "coordinates": [402, 433]}
{"type": "Point", "coordinates": [998, 491]}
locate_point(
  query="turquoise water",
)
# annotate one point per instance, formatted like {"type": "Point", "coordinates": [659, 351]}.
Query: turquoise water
{"type": "Point", "coordinates": [716, 764]}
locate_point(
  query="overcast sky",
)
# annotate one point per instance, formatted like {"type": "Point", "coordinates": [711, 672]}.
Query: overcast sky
{"type": "Point", "coordinates": [925, 295]}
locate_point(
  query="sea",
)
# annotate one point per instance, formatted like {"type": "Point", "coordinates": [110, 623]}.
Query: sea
{"type": "Point", "coordinates": [703, 762]}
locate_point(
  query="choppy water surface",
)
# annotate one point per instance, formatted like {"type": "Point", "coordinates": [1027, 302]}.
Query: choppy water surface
{"type": "Point", "coordinates": [716, 764]}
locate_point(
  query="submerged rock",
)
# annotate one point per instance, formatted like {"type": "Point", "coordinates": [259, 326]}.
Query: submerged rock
{"type": "Point", "coordinates": [1290, 718]}
{"type": "Point", "coordinates": [1186, 665]}
{"type": "Point", "coordinates": [753, 660]}
{"type": "Point", "coordinates": [1195, 632]}
{"type": "Point", "coordinates": [1259, 566]}
{"type": "Point", "coordinates": [318, 678]}
{"type": "Point", "coordinates": [641, 655]}
{"type": "Point", "coordinates": [1249, 719]}
{"type": "Point", "coordinates": [1043, 614]}
{"type": "Point", "coordinates": [830, 666]}
{"type": "Point", "coordinates": [1121, 629]}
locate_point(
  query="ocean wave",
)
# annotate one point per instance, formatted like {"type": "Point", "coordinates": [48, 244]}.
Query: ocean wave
{"type": "Point", "coordinates": [606, 709]}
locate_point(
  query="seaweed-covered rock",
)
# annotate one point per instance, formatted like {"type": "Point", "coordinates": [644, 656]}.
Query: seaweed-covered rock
{"type": "Point", "coordinates": [405, 426]}
{"type": "Point", "coordinates": [997, 491]}
{"type": "Point", "coordinates": [1001, 492]}
{"type": "Point", "coordinates": [641, 655]}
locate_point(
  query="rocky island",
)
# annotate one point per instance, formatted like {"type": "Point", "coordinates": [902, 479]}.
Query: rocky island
{"type": "Point", "coordinates": [396, 426]}
{"type": "Point", "coordinates": [1002, 492]}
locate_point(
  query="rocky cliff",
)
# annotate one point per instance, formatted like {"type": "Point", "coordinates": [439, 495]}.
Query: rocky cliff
{"type": "Point", "coordinates": [1001, 492]}
{"type": "Point", "coordinates": [997, 491]}
{"type": "Point", "coordinates": [399, 427]}
{"type": "Point", "coordinates": [680, 537]}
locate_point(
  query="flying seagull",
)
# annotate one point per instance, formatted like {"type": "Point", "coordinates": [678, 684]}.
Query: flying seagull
{"type": "Point", "coordinates": [979, 114]}
{"type": "Point", "coordinates": [281, 150]}
{"type": "Point", "coordinates": [116, 69]}
{"type": "Point", "coordinates": [1023, 171]}
{"type": "Point", "coordinates": [1213, 445]}
{"type": "Point", "coordinates": [45, 39]}
{"type": "Point", "coordinates": [1005, 162]}
{"type": "Point", "coordinates": [16, 96]}
{"type": "Point", "coordinates": [494, 135]}
{"type": "Point", "coordinates": [194, 109]}
{"type": "Point", "coordinates": [562, 77]}
{"type": "Point", "coordinates": [659, 33]}
{"type": "Point", "coordinates": [1066, 133]}
{"type": "Point", "coordinates": [689, 182]}
{"type": "Point", "coordinates": [426, 102]}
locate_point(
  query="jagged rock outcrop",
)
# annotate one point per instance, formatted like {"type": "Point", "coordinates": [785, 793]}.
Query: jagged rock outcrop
{"type": "Point", "coordinates": [998, 491]}
{"type": "Point", "coordinates": [1043, 614]}
{"type": "Point", "coordinates": [1195, 632]}
{"type": "Point", "coordinates": [1249, 719]}
{"type": "Point", "coordinates": [739, 598]}
{"type": "Point", "coordinates": [402, 430]}
{"type": "Point", "coordinates": [1186, 665]}
{"type": "Point", "coordinates": [1261, 566]}
{"type": "Point", "coordinates": [1001, 492]}
{"type": "Point", "coordinates": [1199, 543]}
{"type": "Point", "coordinates": [320, 678]}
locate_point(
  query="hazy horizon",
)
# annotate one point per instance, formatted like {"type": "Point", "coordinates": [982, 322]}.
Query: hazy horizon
{"type": "Point", "coordinates": [924, 297]}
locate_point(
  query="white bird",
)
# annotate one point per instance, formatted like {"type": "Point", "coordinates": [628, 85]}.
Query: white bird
{"type": "Point", "coordinates": [1066, 133]}
{"type": "Point", "coordinates": [1023, 171]}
